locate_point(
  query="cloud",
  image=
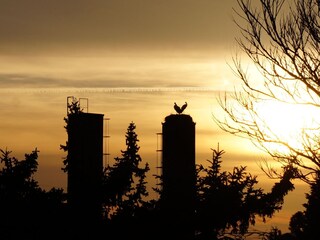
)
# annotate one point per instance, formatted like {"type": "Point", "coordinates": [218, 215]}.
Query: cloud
{"type": "Point", "coordinates": [115, 71]}
{"type": "Point", "coordinates": [29, 81]}
{"type": "Point", "coordinates": [37, 24]}
{"type": "Point", "coordinates": [20, 81]}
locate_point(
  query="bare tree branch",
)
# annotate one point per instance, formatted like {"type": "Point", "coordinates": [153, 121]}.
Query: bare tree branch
{"type": "Point", "coordinates": [282, 40]}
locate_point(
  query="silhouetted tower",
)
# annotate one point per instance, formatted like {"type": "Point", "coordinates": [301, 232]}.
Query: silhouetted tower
{"type": "Point", "coordinates": [85, 166]}
{"type": "Point", "coordinates": [179, 175]}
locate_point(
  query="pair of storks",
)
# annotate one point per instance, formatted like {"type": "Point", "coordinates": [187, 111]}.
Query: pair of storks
{"type": "Point", "coordinates": [178, 109]}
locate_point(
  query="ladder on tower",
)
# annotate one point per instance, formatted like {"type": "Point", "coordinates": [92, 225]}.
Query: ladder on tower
{"type": "Point", "coordinates": [106, 136]}
{"type": "Point", "coordinates": [159, 161]}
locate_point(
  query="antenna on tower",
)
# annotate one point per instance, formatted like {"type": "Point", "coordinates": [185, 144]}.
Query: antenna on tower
{"type": "Point", "coordinates": [73, 104]}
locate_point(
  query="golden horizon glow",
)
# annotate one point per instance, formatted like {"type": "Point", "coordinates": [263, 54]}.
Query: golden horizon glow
{"type": "Point", "coordinates": [286, 122]}
{"type": "Point", "coordinates": [54, 49]}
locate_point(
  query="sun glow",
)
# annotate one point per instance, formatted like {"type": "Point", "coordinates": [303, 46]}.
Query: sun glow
{"type": "Point", "coordinates": [287, 122]}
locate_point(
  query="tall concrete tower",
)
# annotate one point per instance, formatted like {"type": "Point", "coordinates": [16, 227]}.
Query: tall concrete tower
{"type": "Point", "coordinates": [85, 166]}
{"type": "Point", "coordinates": [179, 174]}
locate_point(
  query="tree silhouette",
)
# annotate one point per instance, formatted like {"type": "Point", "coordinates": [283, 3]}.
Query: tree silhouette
{"type": "Point", "coordinates": [305, 224]}
{"type": "Point", "coordinates": [281, 39]}
{"type": "Point", "coordinates": [228, 202]}
{"type": "Point", "coordinates": [124, 183]}
{"type": "Point", "coordinates": [73, 107]}
{"type": "Point", "coordinates": [27, 210]}
{"type": "Point", "coordinates": [17, 182]}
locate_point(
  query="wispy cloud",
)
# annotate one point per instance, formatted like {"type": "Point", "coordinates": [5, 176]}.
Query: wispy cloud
{"type": "Point", "coordinates": [117, 71]}
{"type": "Point", "coordinates": [109, 90]}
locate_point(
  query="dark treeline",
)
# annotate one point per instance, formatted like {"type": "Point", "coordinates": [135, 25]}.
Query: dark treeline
{"type": "Point", "coordinates": [227, 203]}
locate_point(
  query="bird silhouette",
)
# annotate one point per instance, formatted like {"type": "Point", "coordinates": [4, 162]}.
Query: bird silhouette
{"type": "Point", "coordinates": [178, 109]}
{"type": "Point", "coordinates": [184, 106]}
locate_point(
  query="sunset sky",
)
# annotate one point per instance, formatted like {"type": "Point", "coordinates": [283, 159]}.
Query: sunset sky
{"type": "Point", "coordinates": [132, 59]}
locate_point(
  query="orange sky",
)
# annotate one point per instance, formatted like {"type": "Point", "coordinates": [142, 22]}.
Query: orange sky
{"type": "Point", "coordinates": [177, 48]}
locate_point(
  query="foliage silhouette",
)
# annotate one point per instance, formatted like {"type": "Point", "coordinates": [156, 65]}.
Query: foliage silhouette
{"type": "Point", "coordinates": [281, 39]}
{"type": "Point", "coordinates": [228, 202]}
{"type": "Point", "coordinates": [31, 210]}
{"type": "Point", "coordinates": [124, 185]}
{"type": "Point", "coordinates": [72, 108]}
{"type": "Point", "coordinates": [25, 206]}
{"type": "Point", "coordinates": [305, 224]}
{"type": "Point", "coordinates": [27, 210]}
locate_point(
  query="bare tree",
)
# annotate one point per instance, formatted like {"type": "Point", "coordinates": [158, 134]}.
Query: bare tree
{"type": "Point", "coordinates": [282, 40]}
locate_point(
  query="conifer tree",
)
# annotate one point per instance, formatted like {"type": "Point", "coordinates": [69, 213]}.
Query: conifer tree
{"type": "Point", "coordinates": [124, 183]}
{"type": "Point", "coordinates": [228, 202]}
{"type": "Point", "coordinates": [72, 108]}
{"type": "Point", "coordinates": [27, 211]}
{"type": "Point", "coordinates": [305, 224]}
